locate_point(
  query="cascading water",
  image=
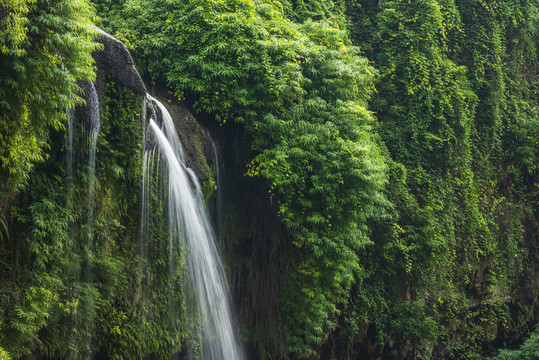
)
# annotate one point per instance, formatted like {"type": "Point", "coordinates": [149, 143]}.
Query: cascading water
{"type": "Point", "coordinates": [75, 274]}
{"type": "Point", "coordinates": [189, 225]}
{"type": "Point", "coordinates": [94, 125]}
{"type": "Point", "coordinates": [92, 102]}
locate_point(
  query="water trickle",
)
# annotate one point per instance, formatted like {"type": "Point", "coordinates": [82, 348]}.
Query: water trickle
{"type": "Point", "coordinates": [69, 145]}
{"type": "Point", "coordinates": [147, 164]}
{"type": "Point", "coordinates": [94, 125]}
{"type": "Point", "coordinates": [189, 225]}
{"type": "Point", "coordinates": [92, 102]}
{"type": "Point", "coordinates": [219, 199]}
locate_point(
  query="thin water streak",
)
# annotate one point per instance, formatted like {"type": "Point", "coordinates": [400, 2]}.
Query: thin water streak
{"type": "Point", "coordinates": [219, 198]}
{"type": "Point", "coordinates": [92, 103]}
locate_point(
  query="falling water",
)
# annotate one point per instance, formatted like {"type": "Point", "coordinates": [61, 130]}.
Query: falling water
{"type": "Point", "coordinates": [92, 103]}
{"type": "Point", "coordinates": [147, 158]}
{"type": "Point", "coordinates": [219, 200]}
{"type": "Point", "coordinates": [145, 215]}
{"type": "Point", "coordinates": [189, 223]}
{"type": "Point", "coordinates": [69, 145]}
{"type": "Point", "coordinates": [69, 156]}
{"type": "Point", "coordinates": [73, 271]}
{"type": "Point", "coordinates": [94, 125]}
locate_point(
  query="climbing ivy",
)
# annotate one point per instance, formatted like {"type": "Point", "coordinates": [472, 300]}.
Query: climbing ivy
{"type": "Point", "coordinates": [445, 102]}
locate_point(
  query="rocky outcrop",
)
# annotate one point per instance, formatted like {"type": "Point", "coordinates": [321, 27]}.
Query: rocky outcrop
{"type": "Point", "coordinates": [114, 63]}
{"type": "Point", "coordinates": [116, 59]}
{"type": "Point", "coordinates": [195, 138]}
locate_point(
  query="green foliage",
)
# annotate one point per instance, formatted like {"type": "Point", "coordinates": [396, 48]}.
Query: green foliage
{"type": "Point", "coordinates": [13, 19]}
{"type": "Point", "coordinates": [455, 85]}
{"type": "Point", "coordinates": [4, 355]}
{"type": "Point", "coordinates": [30, 316]}
{"type": "Point", "coordinates": [74, 296]}
{"type": "Point", "coordinates": [45, 49]}
{"type": "Point", "coordinates": [413, 223]}
{"type": "Point", "coordinates": [423, 98]}
{"type": "Point", "coordinates": [299, 90]}
{"type": "Point", "coordinates": [529, 350]}
{"type": "Point", "coordinates": [456, 111]}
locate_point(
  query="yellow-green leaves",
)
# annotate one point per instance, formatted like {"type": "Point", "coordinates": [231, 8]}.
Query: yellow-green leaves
{"type": "Point", "coordinates": [45, 49]}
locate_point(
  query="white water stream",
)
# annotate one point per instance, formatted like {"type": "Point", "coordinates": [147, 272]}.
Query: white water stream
{"type": "Point", "coordinates": [189, 225]}
{"type": "Point", "coordinates": [94, 126]}
{"type": "Point", "coordinates": [92, 104]}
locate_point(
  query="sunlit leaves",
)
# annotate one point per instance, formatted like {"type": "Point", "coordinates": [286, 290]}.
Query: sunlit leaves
{"type": "Point", "coordinates": [45, 50]}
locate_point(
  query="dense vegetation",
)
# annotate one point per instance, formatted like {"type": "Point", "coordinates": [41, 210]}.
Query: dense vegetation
{"type": "Point", "coordinates": [396, 142]}
{"type": "Point", "coordinates": [528, 350]}
{"type": "Point", "coordinates": [44, 50]}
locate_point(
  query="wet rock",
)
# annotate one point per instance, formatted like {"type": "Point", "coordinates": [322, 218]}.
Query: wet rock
{"type": "Point", "coordinates": [195, 138]}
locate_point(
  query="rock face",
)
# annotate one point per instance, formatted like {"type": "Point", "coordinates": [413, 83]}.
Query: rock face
{"type": "Point", "coordinates": [114, 63]}
{"type": "Point", "coordinates": [195, 138]}
{"type": "Point", "coordinates": [115, 57]}
{"type": "Point", "coordinates": [196, 141]}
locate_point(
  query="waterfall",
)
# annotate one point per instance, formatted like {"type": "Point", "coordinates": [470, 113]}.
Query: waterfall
{"type": "Point", "coordinates": [147, 164]}
{"type": "Point", "coordinates": [190, 226]}
{"type": "Point", "coordinates": [94, 125]}
{"type": "Point", "coordinates": [92, 102]}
